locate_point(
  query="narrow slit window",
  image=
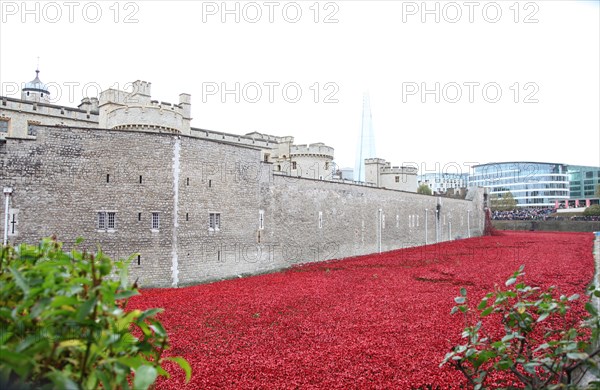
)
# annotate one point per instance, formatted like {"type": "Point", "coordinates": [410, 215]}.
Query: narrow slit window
{"type": "Point", "coordinates": [108, 178]}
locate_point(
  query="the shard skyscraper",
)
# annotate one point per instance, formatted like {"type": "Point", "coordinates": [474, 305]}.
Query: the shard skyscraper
{"type": "Point", "coordinates": [366, 141]}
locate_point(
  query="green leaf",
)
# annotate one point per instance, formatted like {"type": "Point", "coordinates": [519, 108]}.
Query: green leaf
{"type": "Point", "coordinates": [482, 304]}
{"type": "Point", "coordinates": [577, 355]}
{"type": "Point", "coordinates": [126, 294]}
{"type": "Point", "coordinates": [542, 317]}
{"type": "Point", "coordinates": [133, 362]}
{"type": "Point", "coordinates": [487, 311]}
{"type": "Point", "coordinates": [157, 327]}
{"type": "Point", "coordinates": [19, 280]}
{"type": "Point", "coordinates": [184, 365]}
{"type": "Point", "coordinates": [504, 365]}
{"type": "Point", "coordinates": [144, 377]}
{"type": "Point", "coordinates": [148, 314]}
{"type": "Point", "coordinates": [508, 337]}
{"type": "Point", "coordinates": [62, 381]}
{"type": "Point", "coordinates": [86, 308]}
{"type": "Point", "coordinates": [463, 292]}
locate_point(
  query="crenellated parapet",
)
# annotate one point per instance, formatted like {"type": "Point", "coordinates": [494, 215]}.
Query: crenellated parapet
{"type": "Point", "coordinates": [381, 173]}
{"type": "Point", "coordinates": [19, 115]}
{"type": "Point", "coordinates": [318, 149]}
{"type": "Point", "coordinates": [136, 110]}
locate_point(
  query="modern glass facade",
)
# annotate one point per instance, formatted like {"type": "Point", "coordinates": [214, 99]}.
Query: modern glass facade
{"type": "Point", "coordinates": [583, 181]}
{"type": "Point", "coordinates": [532, 184]}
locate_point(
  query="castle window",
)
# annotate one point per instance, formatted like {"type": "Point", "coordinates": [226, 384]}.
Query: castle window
{"type": "Point", "coordinates": [108, 178]}
{"type": "Point", "coordinates": [266, 157]}
{"type": "Point", "coordinates": [139, 216]}
{"type": "Point", "coordinates": [155, 221]}
{"type": "Point", "coordinates": [209, 183]}
{"type": "Point", "coordinates": [139, 259]}
{"type": "Point", "coordinates": [107, 220]}
{"type": "Point", "coordinates": [31, 130]}
{"type": "Point", "coordinates": [320, 220]}
{"type": "Point", "coordinates": [294, 166]}
{"type": "Point", "coordinates": [397, 179]}
{"type": "Point", "coordinates": [187, 181]}
{"type": "Point", "coordinates": [326, 165]}
{"type": "Point", "coordinates": [278, 168]}
{"type": "Point", "coordinates": [187, 217]}
{"type": "Point", "coordinates": [101, 220]}
{"type": "Point", "coordinates": [214, 221]}
{"type": "Point", "coordinates": [4, 125]}
{"type": "Point", "coordinates": [140, 179]}
{"type": "Point", "coordinates": [111, 221]}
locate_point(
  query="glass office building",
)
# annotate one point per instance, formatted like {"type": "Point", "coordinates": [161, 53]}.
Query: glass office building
{"type": "Point", "coordinates": [583, 181]}
{"type": "Point", "coordinates": [532, 184]}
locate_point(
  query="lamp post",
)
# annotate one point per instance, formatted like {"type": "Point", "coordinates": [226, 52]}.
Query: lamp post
{"type": "Point", "coordinates": [437, 226]}
{"type": "Point", "coordinates": [426, 226]}
{"type": "Point", "coordinates": [7, 193]}
{"type": "Point", "coordinates": [469, 223]}
{"type": "Point", "coordinates": [380, 232]}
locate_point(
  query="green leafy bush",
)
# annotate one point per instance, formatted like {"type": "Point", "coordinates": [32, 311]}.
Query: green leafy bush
{"type": "Point", "coordinates": [555, 360]}
{"type": "Point", "coordinates": [592, 210]}
{"type": "Point", "coordinates": [63, 323]}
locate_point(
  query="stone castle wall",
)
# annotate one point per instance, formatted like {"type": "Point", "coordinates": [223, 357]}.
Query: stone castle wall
{"type": "Point", "coordinates": [64, 177]}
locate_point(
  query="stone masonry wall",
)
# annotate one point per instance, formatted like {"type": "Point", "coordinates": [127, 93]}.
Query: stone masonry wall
{"type": "Point", "coordinates": [66, 176]}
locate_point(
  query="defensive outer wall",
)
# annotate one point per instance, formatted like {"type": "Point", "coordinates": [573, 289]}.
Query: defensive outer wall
{"type": "Point", "coordinates": [64, 176]}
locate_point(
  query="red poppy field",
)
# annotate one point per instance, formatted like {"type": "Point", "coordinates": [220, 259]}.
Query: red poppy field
{"type": "Point", "coordinates": [377, 321]}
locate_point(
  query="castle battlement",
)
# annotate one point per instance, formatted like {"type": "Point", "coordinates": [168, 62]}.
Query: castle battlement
{"type": "Point", "coordinates": [398, 170]}
{"type": "Point", "coordinates": [47, 109]}
{"type": "Point", "coordinates": [136, 110]}
{"type": "Point", "coordinates": [318, 148]}
{"type": "Point", "coordinates": [247, 139]}
{"type": "Point", "coordinates": [271, 138]}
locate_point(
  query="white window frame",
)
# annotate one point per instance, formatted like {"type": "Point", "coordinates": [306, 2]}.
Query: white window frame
{"type": "Point", "coordinates": [106, 221]}
{"type": "Point", "coordinates": [214, 222]}
{"type": "Point", "coordinates": [111, 224]}
{"type": "Point", "coordinates": [261, 219]}
{"type": "Point", "coordinates": [101, 220]}
{"type": "Point", "coordinates": [155, 221]}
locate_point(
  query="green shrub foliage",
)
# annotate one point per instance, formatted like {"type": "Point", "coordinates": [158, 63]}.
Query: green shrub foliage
{"type": "Point", "coordinates": [555, 360]}
{"type": "Point", "coordinates": [63, 323]}
{"type": "Point", "coordinates": [592, 210]}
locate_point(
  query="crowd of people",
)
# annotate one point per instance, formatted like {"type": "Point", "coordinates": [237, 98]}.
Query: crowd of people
{"type": "Point", "coordinates": [539, 214]}
{"type": "Point", "coordinates": [524, 214]}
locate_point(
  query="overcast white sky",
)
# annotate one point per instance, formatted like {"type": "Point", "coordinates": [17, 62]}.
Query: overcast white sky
{"type": "Point", "coordinates": [383, 47]}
